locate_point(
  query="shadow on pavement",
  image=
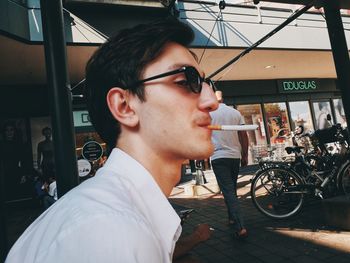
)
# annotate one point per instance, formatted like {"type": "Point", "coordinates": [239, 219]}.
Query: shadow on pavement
{"type": "Point", "coordinates": [303, 238]}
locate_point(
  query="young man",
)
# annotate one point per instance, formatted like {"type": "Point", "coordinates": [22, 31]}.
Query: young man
{"type": "Point", "coordinates": [148, 98]}
{"type": "Point", "coordinates": [231, 150]}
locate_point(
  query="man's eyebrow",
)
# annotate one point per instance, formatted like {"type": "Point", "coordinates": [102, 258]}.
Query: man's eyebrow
{"type": "Point", "coordinates": [177, 66]}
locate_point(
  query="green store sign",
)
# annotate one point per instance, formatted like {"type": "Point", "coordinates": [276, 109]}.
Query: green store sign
{"type": "Point", "coordinates": [296, 86]}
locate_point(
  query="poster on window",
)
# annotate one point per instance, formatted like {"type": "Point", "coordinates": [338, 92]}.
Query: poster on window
{"type": "Point", "coordinates": [278, 123]}
{"type": "Point", "coordinates": [339, 112]}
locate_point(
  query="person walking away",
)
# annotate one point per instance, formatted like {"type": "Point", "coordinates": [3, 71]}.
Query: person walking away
{"type": "Point", "coordinates": [231, 151]}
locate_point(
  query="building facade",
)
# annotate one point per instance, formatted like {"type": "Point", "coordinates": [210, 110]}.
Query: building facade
{"type": "Point", "coordinates": [287, 81]}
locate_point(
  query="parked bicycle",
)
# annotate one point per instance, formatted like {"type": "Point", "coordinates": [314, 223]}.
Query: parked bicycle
{"type": "Point", "coordinates": [279, 189]}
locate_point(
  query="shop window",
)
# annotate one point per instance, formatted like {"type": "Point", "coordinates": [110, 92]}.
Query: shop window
{"type": "Point", "coordinates": [278, 126]}
{"type": "Point", "coordinates": [339, 112]}
{"type": "Point", "coordinates": [257, 139]}
{"type": "Point", "coordinates": [301, 115]}
{"type": "Point", "coordinates": [322, 109]}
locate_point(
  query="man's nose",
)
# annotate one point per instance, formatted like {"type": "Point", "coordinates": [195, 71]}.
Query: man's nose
{"type": "Point", "coordinates": [208, 99]}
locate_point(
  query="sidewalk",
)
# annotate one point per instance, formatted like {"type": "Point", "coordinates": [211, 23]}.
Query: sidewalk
{"type": "Point", "coordinates": [303, 238]}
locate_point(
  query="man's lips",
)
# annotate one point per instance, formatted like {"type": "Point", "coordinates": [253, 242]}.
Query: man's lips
{"type": "Point", "coordinates": [204, 122]}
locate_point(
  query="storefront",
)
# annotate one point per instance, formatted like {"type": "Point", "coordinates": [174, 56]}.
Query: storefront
{"type": "Point", "coordinates": [27, 147]}
{"type": "Point", "coordinates": [278, 106]}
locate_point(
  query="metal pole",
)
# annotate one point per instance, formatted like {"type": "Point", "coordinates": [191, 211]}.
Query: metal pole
{"type": "Point", "coordinates": [294, 16]}
{"type": "Point", "coordinates": [3, 229]}
{"type": "Point", "coordinates": [59, 95]}
{"type": "Point", "coordinates": [340, 53]}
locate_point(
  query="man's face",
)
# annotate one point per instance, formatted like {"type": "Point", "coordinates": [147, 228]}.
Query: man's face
{"type": "Point", "coordinates": [173, 120]}
{"type": "Point", "coordinates": [9, 133]}
{"type": "Point", "coordinates": [47, 133]}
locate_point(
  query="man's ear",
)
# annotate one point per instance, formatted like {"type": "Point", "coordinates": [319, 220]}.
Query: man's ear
{"type": "Point", "coordinates": [118, 104]}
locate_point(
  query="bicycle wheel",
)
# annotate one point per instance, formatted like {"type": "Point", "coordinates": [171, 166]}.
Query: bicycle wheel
{"type": "Point", "coordinates": [345, 180]}
{"type": "Point", "coordinates": [276, 194]}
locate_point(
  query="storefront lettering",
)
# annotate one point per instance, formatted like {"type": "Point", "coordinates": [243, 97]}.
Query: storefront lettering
{"type": "Point", "coordinates": [299, 85]}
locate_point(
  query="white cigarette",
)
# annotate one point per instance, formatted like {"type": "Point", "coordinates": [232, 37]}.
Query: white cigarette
{"type": "Point", "coordinates": [249, 127]}
{"type": "Point", "coordinates": [212, 229]}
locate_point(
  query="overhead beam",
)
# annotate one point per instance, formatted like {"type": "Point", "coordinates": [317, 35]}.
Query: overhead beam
{"type": "Point", "coordinates": [290, 19]}
{"type": "Point", "coordinates": [340, 4]}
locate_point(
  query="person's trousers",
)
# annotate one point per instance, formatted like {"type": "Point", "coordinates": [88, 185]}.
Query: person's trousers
{"type": "Point", "coordinates": [226, 172]}
{"type": "Point", "coordinates": [48, 201]}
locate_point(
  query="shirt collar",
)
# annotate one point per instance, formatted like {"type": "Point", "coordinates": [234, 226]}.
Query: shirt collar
{"type": "Point", "coordinates": [153, 204]}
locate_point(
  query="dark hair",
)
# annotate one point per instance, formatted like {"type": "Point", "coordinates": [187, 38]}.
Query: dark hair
{"type": "Point", "coordinates": [45, 129]}
{"type": "Point", "coordinates": [120, 62]}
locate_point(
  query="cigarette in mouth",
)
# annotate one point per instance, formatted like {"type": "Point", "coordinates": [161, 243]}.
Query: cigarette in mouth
{"type": "Point", "coordinates": [233, 127]}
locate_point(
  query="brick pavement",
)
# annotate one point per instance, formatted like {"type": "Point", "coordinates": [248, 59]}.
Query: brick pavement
{"type": "Point", "coordinates": [303, 238]}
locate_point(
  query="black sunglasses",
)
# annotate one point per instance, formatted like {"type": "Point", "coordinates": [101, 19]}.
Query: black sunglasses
{"type": "Point", "coordinates": [194, 80]}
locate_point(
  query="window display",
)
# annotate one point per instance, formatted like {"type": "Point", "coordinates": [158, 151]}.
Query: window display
{"type": "Point", "coordinates": [257, 139]}
{"type": "Point", "coordinates": [339, 112]}
{"type": "Point", "coordinates": [278, 122]}
{"type": "Point", "coordinates": [301, 115]}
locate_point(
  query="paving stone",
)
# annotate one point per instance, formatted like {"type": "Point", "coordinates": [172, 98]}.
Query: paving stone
{"type": "Point", "coordinates": [338, 259]}
{"type": "Point", "coordinates": [307, 259]}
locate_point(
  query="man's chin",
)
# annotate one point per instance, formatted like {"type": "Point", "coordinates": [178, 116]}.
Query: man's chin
{"type": "Point", "coordinates": [204, 154]}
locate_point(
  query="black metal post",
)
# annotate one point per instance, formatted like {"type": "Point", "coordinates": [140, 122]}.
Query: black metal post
{"type": "Point", "coordinates": [340, 52]}
{"type": "Point", "coordinates": [3, 229]}
{"type": "Point", "coordinates": [59, 95]}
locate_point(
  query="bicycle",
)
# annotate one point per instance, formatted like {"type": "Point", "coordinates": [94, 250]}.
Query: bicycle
{"type": "Point", "coordinates": [279, 189]}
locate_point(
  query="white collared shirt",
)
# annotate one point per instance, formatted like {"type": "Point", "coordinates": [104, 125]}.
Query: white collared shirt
{"type": "Point", "coordinates": [120, 215]}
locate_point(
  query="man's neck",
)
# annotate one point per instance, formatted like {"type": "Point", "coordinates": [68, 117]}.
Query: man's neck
{"type": "Point", "coordinates": [165, 172]}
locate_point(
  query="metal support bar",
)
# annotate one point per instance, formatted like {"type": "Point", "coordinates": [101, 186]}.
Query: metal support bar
{"type": "Point", "coordinates": [59, 95]}
{"type": "Point", "coordinates": [340, 53]}
{"type": "Point", "coordinates": [3, 229]}
{"type": "Point", "coordinates": [294, 16]}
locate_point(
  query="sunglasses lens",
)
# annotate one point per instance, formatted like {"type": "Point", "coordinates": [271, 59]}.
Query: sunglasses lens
{"type": "Point", "coordinates": [193, 79]}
